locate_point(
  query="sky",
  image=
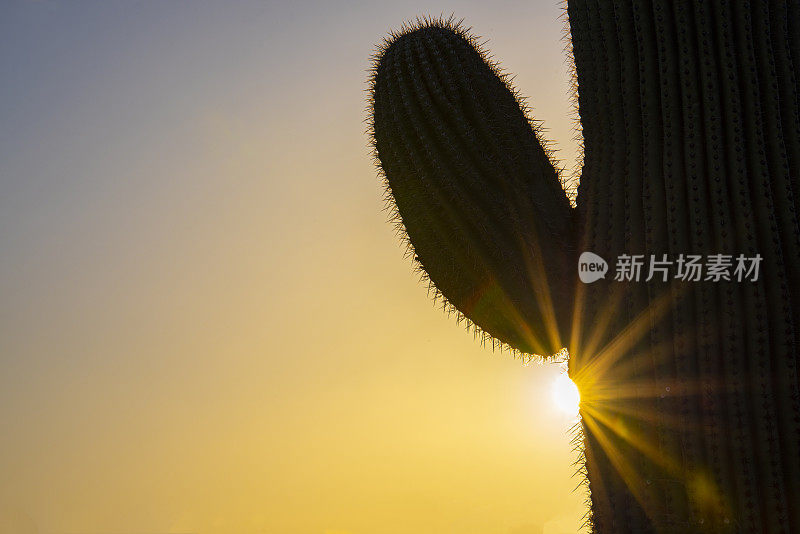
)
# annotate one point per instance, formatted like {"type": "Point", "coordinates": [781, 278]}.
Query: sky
{"type": "Point", "coordinates": [207, 324]}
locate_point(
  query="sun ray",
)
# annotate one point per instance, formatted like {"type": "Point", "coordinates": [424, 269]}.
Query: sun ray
{"type": "Point", "coordinates": [598, 364]}
{"type": "Point", "coordinates": [626, 471]}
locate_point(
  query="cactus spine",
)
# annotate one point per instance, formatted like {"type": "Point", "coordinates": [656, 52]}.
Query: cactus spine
{"type": "Point", "coordinates": [691, 127]}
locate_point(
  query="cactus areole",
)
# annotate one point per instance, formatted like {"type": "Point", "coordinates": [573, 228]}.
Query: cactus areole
{"type": "Point", "coordinates": [690, 114]}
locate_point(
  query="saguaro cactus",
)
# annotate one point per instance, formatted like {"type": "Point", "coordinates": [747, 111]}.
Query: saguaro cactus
{"type": "Point", "coordinates": [691, 126]}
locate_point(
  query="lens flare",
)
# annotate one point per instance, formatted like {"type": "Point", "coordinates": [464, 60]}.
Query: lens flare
{"type": "Point", "coordinates": [565, 395]}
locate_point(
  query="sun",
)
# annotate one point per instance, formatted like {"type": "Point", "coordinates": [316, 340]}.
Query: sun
{"type": "Point", "coordinates": [565, 395]}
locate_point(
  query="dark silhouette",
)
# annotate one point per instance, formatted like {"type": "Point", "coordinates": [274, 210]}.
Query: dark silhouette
{"type": "Point", "coordinates": [691, 126]}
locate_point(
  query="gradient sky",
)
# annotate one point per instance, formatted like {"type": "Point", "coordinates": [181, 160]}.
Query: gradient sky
{"type": "Point", "coordinates": [206, 323]}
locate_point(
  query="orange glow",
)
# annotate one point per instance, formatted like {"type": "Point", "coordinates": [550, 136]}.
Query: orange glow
{"type": "Point", "coordinates": [207, 323]}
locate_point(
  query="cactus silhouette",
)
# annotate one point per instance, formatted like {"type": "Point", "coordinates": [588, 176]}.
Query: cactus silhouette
{"type": "Point", "coordinates": [690, 412]}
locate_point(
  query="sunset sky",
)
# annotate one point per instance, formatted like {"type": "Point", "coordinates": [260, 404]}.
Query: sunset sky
{"type": "Point", "coordinates": [207, 324]}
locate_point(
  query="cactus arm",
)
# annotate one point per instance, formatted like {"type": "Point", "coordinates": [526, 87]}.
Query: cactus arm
{"type": "Point", "coordinates": [477, 193]}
